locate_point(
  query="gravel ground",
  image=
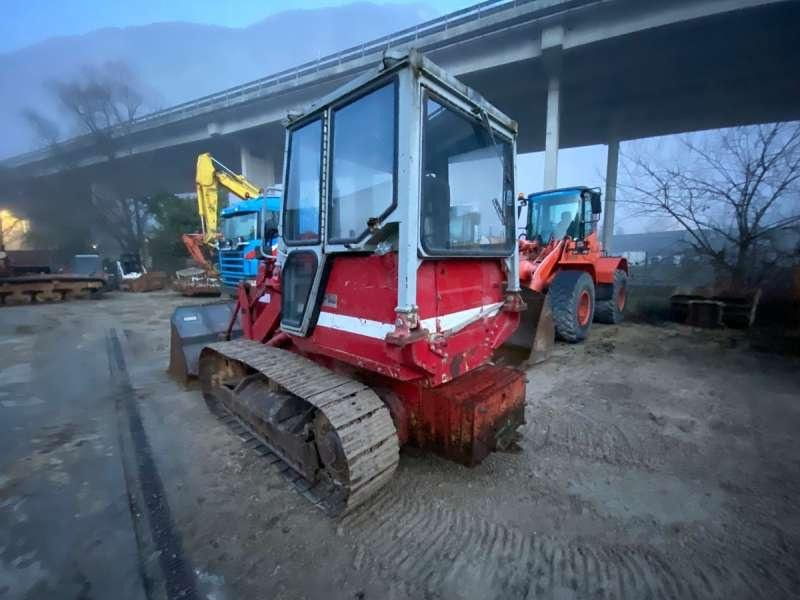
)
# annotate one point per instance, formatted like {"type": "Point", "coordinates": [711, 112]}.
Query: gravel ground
{"type": "Point", "coordinates": [656, 462]}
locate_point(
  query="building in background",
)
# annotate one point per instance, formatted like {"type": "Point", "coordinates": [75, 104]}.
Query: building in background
{"type": "Point", "coordinates": [662, 258]}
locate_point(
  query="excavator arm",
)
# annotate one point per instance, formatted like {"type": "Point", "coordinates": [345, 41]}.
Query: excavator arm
{"type": "Point", "coordinates": [210, 175]}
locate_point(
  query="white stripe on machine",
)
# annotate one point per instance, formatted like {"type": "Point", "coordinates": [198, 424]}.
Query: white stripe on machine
{"type": "Point", "coordinates": [379, 330]}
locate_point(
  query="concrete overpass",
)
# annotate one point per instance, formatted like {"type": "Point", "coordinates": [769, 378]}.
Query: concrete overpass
{"type": "Point", "coordinates": [572, 72]}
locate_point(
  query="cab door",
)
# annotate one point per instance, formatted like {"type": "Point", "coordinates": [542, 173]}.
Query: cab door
{"type": "Point", "coordinates": [590, 209]}
{"type": "Point", "coordinates": [302, 224]}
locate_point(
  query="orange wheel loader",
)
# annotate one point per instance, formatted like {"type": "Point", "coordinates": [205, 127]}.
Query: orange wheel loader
{"type": "Point", "coordinates": [566, 279]}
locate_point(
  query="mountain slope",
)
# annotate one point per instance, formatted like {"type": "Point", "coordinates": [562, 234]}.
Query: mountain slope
{"type": "Point", "coordinates": [181, 61]}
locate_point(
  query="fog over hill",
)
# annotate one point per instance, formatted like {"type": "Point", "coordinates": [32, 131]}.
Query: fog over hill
{"type": "Point", "coordinates": [180, 61]}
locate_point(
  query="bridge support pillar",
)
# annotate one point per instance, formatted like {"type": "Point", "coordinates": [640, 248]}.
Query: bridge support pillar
{"type": "Point", "coordinates": [552, 44]}
{"type": "Point", "coordinates": [551, 133]}
{"type": "Point", "coordinates": [261, 170]}
{"type": "Point", "coordinates": [612, 162]}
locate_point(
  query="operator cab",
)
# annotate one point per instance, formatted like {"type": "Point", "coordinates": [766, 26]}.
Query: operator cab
{"type": "Point", "coordinates": [359, 181]}
{"type": "Point", "coordinates": [271, 216]}
{"type": "Point", "coordinates": [245, 221]}
{"type": "Point", "coordinates": [248, 229]}
{"type": "Point", "coordinates": [239, 225]}
{"type": "Point", "coordinates": [556, 214]}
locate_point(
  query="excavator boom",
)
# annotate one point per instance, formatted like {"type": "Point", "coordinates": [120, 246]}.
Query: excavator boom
{"type": "Point", "coordinates": [210, 175]}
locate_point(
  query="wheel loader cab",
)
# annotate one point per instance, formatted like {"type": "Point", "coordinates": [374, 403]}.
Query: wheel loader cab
{"type": "Point", "coordinates": [405, 162]}
{"type": "Point", "coordinates": [568, 212]}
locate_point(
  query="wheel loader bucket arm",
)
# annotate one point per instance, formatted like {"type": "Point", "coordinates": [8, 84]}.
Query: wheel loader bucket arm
{"type": "Point", "coordinates": [537, 276]}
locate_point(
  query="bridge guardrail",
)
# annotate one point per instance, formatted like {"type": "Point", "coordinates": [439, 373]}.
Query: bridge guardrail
{"type": "Point", "coordinates": [241, 93]}
{"type": "Point", "coordinates": [409, 34]}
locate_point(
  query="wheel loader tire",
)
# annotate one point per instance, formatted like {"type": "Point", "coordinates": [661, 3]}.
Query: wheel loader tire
{"type": "Point", "coordinates": [611, 311]}
{"type": "Point", "coordinates": [572, 301]}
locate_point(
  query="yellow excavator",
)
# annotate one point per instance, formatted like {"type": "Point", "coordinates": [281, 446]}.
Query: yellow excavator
{"type": "Point", "coordinates": [210, 175]}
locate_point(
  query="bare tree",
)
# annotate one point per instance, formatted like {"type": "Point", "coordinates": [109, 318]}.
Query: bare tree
{"type": "Point", "coordinates": [734, 192]}
{"type": "Point", "coordinates": [45, 130]}
{"type": "Point", "coordinates": [102, 103]}
{"type": "Point", "coordinates": [122, 216]}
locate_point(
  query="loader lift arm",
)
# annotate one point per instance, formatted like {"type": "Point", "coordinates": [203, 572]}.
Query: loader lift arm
{"type": "Point", "coordinates": [210, 175]}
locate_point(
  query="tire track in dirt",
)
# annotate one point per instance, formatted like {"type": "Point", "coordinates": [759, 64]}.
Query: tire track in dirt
{"type": "Point", "coordinates": [771, 556]}
{"type": "Point", "coordinates": [571, 432]}
{"type": "Point", "coordinates": [439, 551]}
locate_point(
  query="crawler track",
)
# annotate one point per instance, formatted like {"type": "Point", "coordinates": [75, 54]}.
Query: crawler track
{"type": "Point", "coordinates": [332, 432]}
{"type": "Point", "coordinates": [26, 289]}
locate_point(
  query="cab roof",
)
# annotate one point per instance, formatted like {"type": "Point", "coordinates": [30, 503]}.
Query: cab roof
{"type": "Point", "coordinates": [393, 60]}
{"type": "Point", "coordinates": [558, 192]}
{"type": "Point", "coordinates": [253, 205]}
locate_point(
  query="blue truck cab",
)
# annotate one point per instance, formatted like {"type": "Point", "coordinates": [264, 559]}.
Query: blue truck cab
{"type": "Point", "coordinates": [243, 226]}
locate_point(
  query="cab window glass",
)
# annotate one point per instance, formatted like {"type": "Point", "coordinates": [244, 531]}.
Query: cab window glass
{"type": "Point", "coordinates": [301, 211]}
{"type": "Point", "coordinates": [362, 163]}
{"type": "Point", "coordinates": [467, 182]}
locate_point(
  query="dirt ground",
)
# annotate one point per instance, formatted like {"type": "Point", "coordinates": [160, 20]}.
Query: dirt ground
{"type": "Point", "coordinates": [657, 462]}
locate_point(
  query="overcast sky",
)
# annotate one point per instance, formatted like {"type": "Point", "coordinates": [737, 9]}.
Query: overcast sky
{"type": "Point", "coordinates": [25, 22]}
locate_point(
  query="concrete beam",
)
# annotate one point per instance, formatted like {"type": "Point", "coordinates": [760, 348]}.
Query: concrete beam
{"type": "Point", "coordinates": [491, 46]}
{"type": "Point", "coordinates": [552, 41]}
{"type": "Point", "coordinates": [552, 44]}
{"type": "Point", "coordinates": [551, 133]}
{"type": "Point", "coordinates": [260, 170]}
{"type": "Point", "coordinates": [603, 24]}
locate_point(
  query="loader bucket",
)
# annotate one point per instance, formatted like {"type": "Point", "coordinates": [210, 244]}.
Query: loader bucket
{"type": "Point", "coordinates": [536, 332]}
{"type": "Point", "coordinates": [191, 328]}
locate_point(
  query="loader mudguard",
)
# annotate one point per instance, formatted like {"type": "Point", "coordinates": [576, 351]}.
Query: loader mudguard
{"type": "Point", "coordinates": [605, 267]}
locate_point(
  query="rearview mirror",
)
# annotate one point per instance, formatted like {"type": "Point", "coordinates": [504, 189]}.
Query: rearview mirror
{"type": "Point", "coordinates": [597, 204]}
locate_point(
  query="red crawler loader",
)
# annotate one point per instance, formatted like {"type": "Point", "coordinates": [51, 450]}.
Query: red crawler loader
{"type": "Point", "coordinates": [396, 279]}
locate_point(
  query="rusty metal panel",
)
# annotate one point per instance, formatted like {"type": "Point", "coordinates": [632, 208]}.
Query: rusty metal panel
{"type": "Point", "coordinates": [466, 419]}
